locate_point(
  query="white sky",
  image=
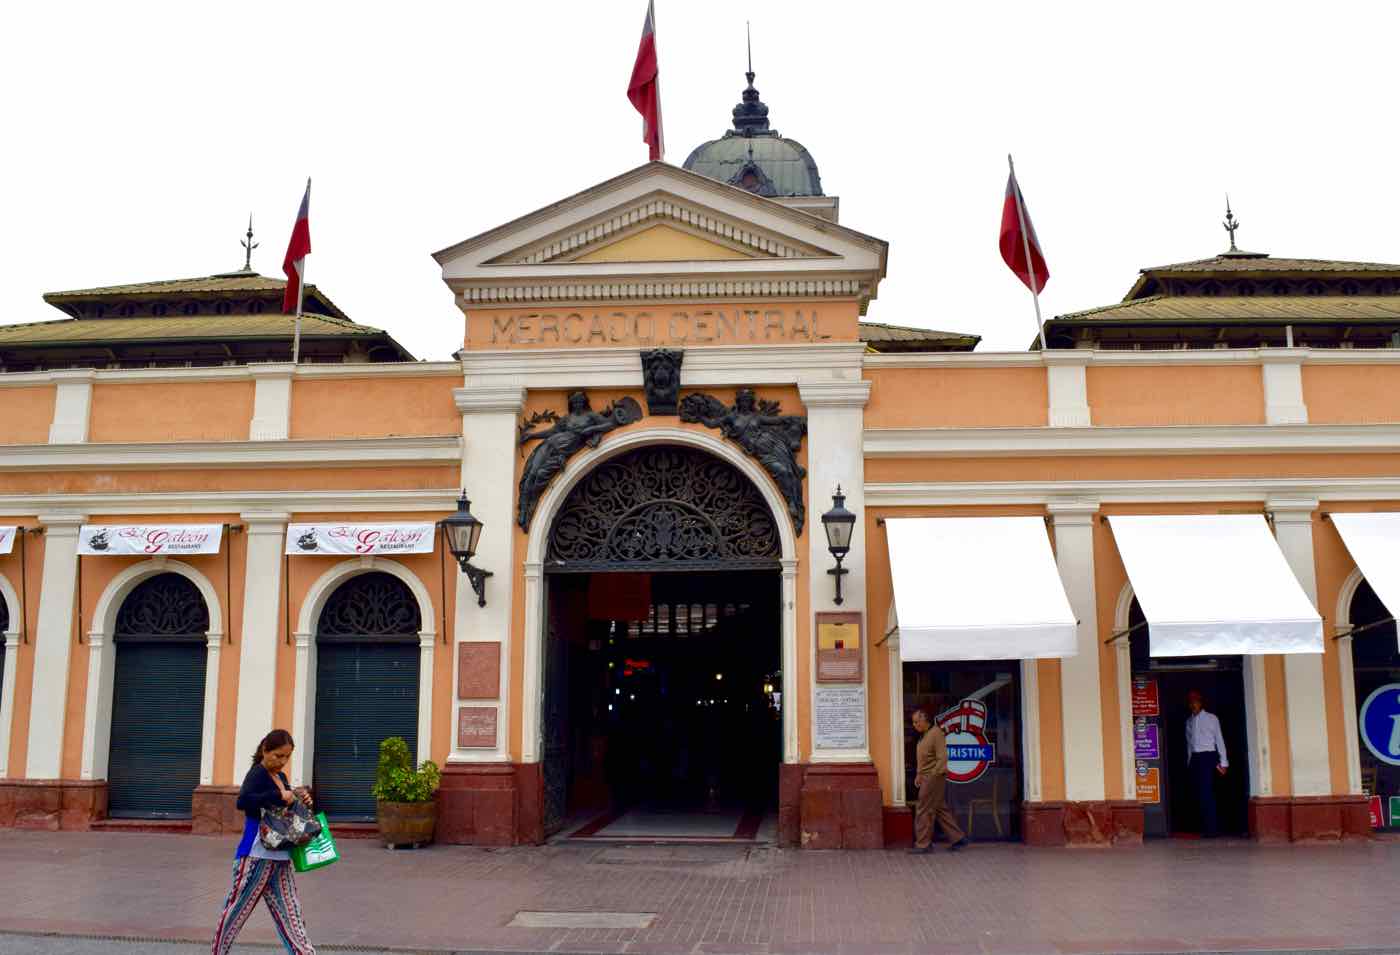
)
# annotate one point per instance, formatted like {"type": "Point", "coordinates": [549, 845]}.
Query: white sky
{"type": "Point", "coordinates": [140, 135]}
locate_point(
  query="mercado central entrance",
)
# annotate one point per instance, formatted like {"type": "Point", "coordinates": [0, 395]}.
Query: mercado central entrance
{"type": "Point", "coordinates": [663, 683]}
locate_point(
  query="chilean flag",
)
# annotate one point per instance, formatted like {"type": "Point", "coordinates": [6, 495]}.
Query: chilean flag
{"type": "Point", "coordinates": [642, 88]}
{"type": "Point", "coordinates": [1016, 241]}
{"type": "Point", "coordinates": [293, 263]}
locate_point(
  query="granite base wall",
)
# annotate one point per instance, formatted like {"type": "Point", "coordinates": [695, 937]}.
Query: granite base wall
{"type": "Point", "coordinates": [52, 804]}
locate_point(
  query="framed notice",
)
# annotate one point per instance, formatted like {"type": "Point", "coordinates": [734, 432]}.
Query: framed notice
{"type": "Point", "coordinates": [478, 670]}
{"type": "Point", "coordinates": [839, 656]}
{"type": "Point", "coordinates": [476, 727]}
{"type": "Point", "coordinates": [838, 717]}
{"type": "Point", "coordinates": [1145, 700]}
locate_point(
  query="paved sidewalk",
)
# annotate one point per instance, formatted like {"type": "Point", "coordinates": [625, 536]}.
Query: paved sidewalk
{"type": "Point", "coordinates": [1177, 897]}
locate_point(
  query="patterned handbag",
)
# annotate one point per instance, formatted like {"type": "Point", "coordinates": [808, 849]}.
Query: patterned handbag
{"type": "Point", "coordinates": [287, 827]}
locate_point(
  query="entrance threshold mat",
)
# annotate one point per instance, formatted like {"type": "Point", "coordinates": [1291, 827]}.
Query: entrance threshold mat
{"type": "Point", "coordinates": [636, 825]}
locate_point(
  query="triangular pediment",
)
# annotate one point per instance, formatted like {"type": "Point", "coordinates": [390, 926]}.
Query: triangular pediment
{"type": "Point", "coordinates": [660, 222]}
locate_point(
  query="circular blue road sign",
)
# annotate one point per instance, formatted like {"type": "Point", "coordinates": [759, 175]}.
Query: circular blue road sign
{"type": "Point", "coordinates": [1379, 723]}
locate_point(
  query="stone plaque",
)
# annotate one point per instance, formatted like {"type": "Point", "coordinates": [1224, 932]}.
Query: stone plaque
{"type": "Point", "coordinates": [476, 727]}
{"type": "Point", "coordinates": [479, 671]}
{"type": "Point", "coordinates": [839, 656]}
{"type": "Point", "coordinates": [838, 717]}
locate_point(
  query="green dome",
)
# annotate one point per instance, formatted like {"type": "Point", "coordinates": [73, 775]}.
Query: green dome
{"type": "Point", "coordinates": [754, 157]}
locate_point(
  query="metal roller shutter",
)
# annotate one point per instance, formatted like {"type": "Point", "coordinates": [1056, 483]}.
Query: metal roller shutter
{"type": "Point", "coordinates": [365, 693]}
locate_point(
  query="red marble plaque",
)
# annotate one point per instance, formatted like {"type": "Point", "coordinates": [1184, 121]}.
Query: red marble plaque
{"type": "Point", "coordinates": [478, 671]}
{"type": "Point", "coordinates": [476, 727]}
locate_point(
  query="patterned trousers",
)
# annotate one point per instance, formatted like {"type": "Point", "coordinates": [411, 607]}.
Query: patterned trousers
{"type": "Point", "coordinates": [271, 881]}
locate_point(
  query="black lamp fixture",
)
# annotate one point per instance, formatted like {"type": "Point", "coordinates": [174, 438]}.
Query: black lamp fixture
{"type": "Point", "coordinates": [462, 531]}
{"type": "Point", "coordinates": [838, 524]}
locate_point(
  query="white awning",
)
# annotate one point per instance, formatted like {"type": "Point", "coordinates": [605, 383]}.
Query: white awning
{"type": "Point", "coordinates": [978, 588]}
{"type": "Point", "coordinates": [1213, 584]}
{"type": "Point", "coordinates": [1374, 542]}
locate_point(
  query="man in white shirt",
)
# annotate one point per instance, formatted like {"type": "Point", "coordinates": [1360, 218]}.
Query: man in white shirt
{"type": "Point", "coordinates": [1206, 759]}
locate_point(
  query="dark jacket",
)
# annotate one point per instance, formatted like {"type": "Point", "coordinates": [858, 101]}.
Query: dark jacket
{"type": "Point", "coordinates": [257, 793]}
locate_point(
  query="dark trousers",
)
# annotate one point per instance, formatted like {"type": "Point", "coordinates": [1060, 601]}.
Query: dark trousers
{"type": "Point", "coordinates": [1203, 774]}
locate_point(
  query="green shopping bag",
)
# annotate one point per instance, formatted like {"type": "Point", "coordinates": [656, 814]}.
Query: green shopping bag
{"type": "Point", "coordinates": [319, 852]}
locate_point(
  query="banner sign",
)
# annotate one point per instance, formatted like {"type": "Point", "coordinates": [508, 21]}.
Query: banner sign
{"type": "Point", "coordinates": [7, 539]}
{"type": "Point", "coordinates": [360, 539]}
{"type": "Point", "coordinates": [149, 540]}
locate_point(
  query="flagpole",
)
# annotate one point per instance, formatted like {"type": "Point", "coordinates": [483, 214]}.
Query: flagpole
{"type": "Point", "coordinates": [1026, 246]}
{"type": "Point", "coordinates": [301, 293]}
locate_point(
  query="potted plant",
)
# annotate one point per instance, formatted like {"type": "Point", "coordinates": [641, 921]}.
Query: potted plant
{"type": "Point", "coordinates": [407, 811]}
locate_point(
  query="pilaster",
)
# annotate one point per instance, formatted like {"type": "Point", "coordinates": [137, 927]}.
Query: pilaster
{"type": "Point", "coordinates": [1283, 386]}
{"type": "Point", "coordinates": [72, 407]}
{"type": "Point", "coordinates": [53, 644]}
{"type": "Point", "coordinates": [272, 402]}
{"type": "Point", "coordinates": [835, 457]}
{"type": "Point", "coordinates": [262, 628]}
{"type": "Point", "coordinates": [1081, 700]}
{"type": "Point", "coordinates": [7, 696]}
{"type": "Point", "coordinates": [1067, 387]}
{"type": "Point", "coordinates": [1303, 672]}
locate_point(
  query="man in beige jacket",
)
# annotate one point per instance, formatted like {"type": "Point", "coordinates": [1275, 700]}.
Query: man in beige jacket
{"type": "Point", "coordinates": [931, 779]}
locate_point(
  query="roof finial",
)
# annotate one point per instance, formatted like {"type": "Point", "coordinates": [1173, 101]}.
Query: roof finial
{"type": "Point", "coordinates": [248, 246]}
{"type": "Point", "coordinates": [751, 116]}
{"type": "Point", "coordinates": [748, 35]}
{"type": "Point", "coordinates": [1230, 223]}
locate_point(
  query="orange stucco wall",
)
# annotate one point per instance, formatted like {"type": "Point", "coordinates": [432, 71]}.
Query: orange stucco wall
{"type": "Point", "coordinates": [171, 411]}
{"type": "Point", "coordinates": [27, 582]}
{"type": "Point", "coordinates": [28, 412]}
{"type": "Point", "coordinates": [1351, 394]}
{"type": "Point", "coordinates": [1109, 579]}
{"type": "Point", "coordinates": [956, 397]}
{"type": "Point", "coordinates": [1129, 395]}
{"type": "Point", "coordinates": [374, 407]}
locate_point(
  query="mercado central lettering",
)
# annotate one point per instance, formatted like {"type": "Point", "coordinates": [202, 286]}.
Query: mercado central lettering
{"type": "Point", "coordinates": [664, 393]}
{"type": "Point", "coordinates": [735, 325]}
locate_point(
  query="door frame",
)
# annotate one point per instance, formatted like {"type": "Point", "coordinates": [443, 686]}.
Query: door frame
{"type": "Point", "coordinates": [7, 673]}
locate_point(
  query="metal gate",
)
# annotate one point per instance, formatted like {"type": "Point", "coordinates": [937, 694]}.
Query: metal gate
{"type": "Point", "coordinates": [157, 700]}
{"type": "Point", "coordinates": [366, 688]}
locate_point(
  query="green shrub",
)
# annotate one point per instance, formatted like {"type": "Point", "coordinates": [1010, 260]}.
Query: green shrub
{"type": "Point", "coordinates": [397, 781]}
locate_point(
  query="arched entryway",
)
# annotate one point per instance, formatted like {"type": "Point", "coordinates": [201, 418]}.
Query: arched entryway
{"type": "Point", "coordinates": [663, 701]}
{"type": "Point", "coordinates": [367, 687]}
{"type": "Point", "coordinates": [158, 686]}
{"type": "Point", "coordinates": [1375, 676]}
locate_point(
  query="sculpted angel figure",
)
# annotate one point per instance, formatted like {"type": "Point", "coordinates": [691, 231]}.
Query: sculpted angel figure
{"type": "Point", "coordinates": [773, 439]}
{"type": "Point", "coordinates": [559, 442]}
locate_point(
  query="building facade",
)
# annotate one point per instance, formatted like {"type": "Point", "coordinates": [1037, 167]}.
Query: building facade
{"type": "Point", "coordinates": [664, 379]}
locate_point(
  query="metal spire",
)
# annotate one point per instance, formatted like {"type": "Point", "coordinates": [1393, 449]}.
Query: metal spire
{"type": "Point", "coordinates": [248, 246]}
{"type": "Point", "coordinates": [1230, 223]}
{"type": "Point", "coordinates": [748, 35]}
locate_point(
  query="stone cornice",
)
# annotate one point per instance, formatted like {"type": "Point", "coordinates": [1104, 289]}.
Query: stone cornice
{"type": "Point", "coordinates": [727, 283]}
{"type": "Point", "coordinates": [487, 398]}
{"type": "Point", "coordinates": [420, 369]}
{"type": "Point", "coordinates": [234, 454]}
{"type": "Point", "coordinates": [1202, 492]}
{"type": "Point", "coordinates": [834, 393]}
{"type": "Point", "coordinates": [233, 502]}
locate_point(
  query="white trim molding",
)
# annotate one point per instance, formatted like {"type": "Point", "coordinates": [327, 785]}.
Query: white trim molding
{"type": "Point", "coordinates": [304, 693]}
{"type": "Point", "coordinates": [1081, 703]}
{"type": "Point", "coordinates": [102, 659]}
{"type": "Point", "coordinates": [72, 407]}
{"type": "Point", "coordinates": [7, 674]}
{"type": "Point", "coordinates": [53, 644]}
{"type": "Point", "coordinates": [1067, 388]}
{"type": "Point", "coordinates": [233, 502]}
{"type": "Point", "coordinates": [272, 402]}
{"type": "Point", "coordinates": [365, 452]}
{"type": "Point", "coordinates": [1123, 671]}
{"type": "Point", "coordinates": [1283, 386]}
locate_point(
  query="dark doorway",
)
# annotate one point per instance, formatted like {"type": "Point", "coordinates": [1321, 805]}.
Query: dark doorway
{"type": "Point", "coordinates": [157, 700]}
{"type": "Point", "coordinates": [1160, 739]}
{"type": "Point", "coordinates": [4, 626]}
{"type": "Point", "coordinates": [366, 688]}
{"type": "Point", "coordinates": [1375, 662]}
{"type": "Point", "coordinates": [663, 683]}
{"type": "Point", "coordinates": [978, 704]}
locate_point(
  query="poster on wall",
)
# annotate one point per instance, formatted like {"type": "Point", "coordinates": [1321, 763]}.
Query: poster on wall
{"type": "Point", "coordinates": [1149, 787]}
{"type": "Point", "coordinates": [838, 717]}
{"type": "Point", "coordinates": [1145, 740]}
{"type": "Point", "coordinates": [358, 540]}
{"type": "Point", "coordinates": [7, 539]}
{"type": "Point", "coordinates": [149, 540]}
{"type": "Point", "coordinates": [1145, 701]}
{"type": "Point", "coordinates": [838, 648]}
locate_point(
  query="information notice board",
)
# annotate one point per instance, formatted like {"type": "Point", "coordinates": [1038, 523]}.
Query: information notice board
{"type": "Point", "coordinates": [839, 717]}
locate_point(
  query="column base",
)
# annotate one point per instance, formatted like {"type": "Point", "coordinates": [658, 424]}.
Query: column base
{"type": "Point", "coordinates": [830, 806]}
{"type": "Point", "coordinates": [491, 804]}
{"type": "Point", "coordinates": [899, 827]}
{"type": "Point", "coordinates": [214, 811]}
{"type": "Point", "coordinates": [1088, 823]}
{"type": "Point", "coordinates": [1276, 819]}
{"type": "Point", "coordinates": [52, 804]}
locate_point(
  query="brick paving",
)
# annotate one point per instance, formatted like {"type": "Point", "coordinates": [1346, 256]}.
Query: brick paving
{"type": "Point", "coordinates": [1165, 897]}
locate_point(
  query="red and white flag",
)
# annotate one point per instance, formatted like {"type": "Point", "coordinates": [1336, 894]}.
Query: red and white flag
{"type": "Point", "coordinates": [1019, 246]}
{"type": "Point", "coordinates": [642, 88]}
{"type": "Point", "coordinates": [294, 262]}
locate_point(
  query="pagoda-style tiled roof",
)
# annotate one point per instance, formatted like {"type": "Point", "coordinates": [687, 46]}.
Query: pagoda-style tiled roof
{"type": "Point", "coordinates": [1266, 308]}
{"type": "Point", "coordinates": [228, 285]}
{"type": "Point", "coordinates": [1230, 266]}
{"type": "Point", "coordinates": [904, 338]}
{"type": "Point", "coordinates": [178, 329]}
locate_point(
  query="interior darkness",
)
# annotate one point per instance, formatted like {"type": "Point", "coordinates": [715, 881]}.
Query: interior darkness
{"type": "Point", "coordinates": [1220, 680]}
{"type": "Point", "coordinates": [679, 711]}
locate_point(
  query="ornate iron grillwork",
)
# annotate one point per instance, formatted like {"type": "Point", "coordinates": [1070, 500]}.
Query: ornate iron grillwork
{"type": "Point", "coordinates": [163, 607]}
{"type": "Point", "coordinates": [374, 607]}
{"type": "Point", "coordinates": [664, 508]}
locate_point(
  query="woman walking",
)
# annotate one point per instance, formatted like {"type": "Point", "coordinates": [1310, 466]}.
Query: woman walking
{"type": "Point", "coordinates": [259, 872]}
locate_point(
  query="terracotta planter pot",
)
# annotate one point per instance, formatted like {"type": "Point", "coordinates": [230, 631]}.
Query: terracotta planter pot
{"type": "Point", "coordinates": [407, 823]}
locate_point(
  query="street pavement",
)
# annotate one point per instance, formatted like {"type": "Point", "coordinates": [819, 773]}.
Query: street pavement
{"type": "Point", "coordinates": [85, 893]}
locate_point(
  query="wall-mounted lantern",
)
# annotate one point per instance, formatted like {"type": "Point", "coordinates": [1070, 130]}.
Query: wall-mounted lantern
{"type": "Point", "coordinates": [462, 531]}
{"type": "Point", "coordinates": [838, 523]}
